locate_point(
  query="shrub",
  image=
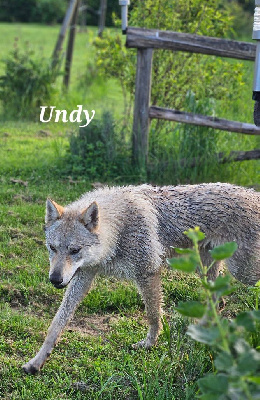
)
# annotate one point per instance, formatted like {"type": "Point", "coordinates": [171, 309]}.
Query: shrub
{"type": "Point", "coordinates": [174, 73]}
{"type": "Point", "coordinates": [99, 152]}
{"type": "Point", "coordinates": [27, 84]}
{"type": "Point", "coordinates": [184, 153]}
{"type": "Point", "coordinates": [112, 7]}
{"type": "Point", "coordinates": [49, 11]}
{"type": "Point", "coordinates": [46, 11]}
{"type": "Point", "coordinates": [235, 343]}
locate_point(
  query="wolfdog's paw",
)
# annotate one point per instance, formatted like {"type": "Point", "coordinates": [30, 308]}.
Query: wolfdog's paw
{"type": "Point", "coordinates": [29, 368]}
{"type": "Point", "coordinates": [145, 343]}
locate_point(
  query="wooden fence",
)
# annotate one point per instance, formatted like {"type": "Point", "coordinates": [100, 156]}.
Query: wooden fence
{"type": "Point", "coordinates": [145, 40]}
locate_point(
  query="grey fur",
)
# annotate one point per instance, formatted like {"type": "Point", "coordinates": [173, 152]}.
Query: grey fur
{"type": "Point", "coordinates": [128, 231]}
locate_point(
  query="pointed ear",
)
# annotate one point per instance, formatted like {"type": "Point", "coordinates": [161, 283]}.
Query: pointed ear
{"type": "Point", "coordinates": [53, 211]}
{"type": "Point", "coordinates": [90, 216]}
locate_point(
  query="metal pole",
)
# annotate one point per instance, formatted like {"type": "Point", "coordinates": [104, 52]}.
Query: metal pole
{"type": "Point", "coordinates": [124, 11]}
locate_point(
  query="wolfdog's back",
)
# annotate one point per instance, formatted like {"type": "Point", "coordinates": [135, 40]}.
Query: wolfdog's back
{"type": "Point", "coordinates": [142, 222]}
{"type": "Point", "coordinates": [224, 213]}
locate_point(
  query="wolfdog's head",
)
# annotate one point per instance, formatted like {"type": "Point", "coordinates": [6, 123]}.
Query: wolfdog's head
{"type": "Point", "coordinates": [72, 241]}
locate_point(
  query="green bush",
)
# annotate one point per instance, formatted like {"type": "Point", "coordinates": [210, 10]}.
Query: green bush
{"type": "Point", "coordinates": [112, 7]}
{"type": "Point", "coordinates": [49, 11]}
{"type": "Point", "coordinates": [27, 84]}
{"type": "Point", "coordinates": [174, 73]}
{"type": "Point", "coordinates": [236, 368]}
{"type": "Point", "coordinates": [99, 152]}
{"type": "Point", "coordinates": [46, 11]}
{"type": "Point", "coordinates": [184, 153]}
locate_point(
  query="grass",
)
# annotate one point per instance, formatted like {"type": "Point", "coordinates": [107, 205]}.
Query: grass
{"type": "Point", "coordinates": [93, 358]}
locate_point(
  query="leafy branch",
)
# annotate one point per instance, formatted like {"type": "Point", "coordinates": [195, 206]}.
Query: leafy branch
{"type": "Point", "coordinates": [235, 343]}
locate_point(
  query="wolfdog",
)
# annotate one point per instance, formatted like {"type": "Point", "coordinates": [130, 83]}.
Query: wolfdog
{"type": "Point", "coordinates": [127, 232]}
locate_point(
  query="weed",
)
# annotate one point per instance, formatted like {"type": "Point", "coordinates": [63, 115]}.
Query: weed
{"type": "Point", "coordinates": [186, 153]}
{"type": "Point", "coordinates": [99, 152]}
{"type": "Point", "coordinates": [236, 363]}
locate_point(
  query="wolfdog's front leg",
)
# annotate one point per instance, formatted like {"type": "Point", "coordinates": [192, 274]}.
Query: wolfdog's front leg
{"type": "Point", "coordinates": [77, 289]}
{"type": "Point", "coordinates": [150, 289]}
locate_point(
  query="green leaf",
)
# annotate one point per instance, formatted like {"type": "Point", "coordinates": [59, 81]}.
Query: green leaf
{"type": "Point", "coordinates": [223, 251]}
{"type": "Point", "coordinates": [241, 346]}
{"type": "Point", "coordinates": [245, 319]}
{"type": "Point", "coordinates": [192, 309]}
{"type": "Point", "coordinates": [254, 379]}
{"type": "Point", "coordinates": [202, 334]}
{"type": "Point", "coordinates": [195, 234]}
{"type": "Point", "coordinates": [220, 285]}
{"type": "Point", "coordinates": [224, 361]}
{"type": "Point", "coordinates": [215, 385]}
{"type": "Point", "coordinates": [184, 251]}
{"type": "Point", "coordinates": [255, 314]}
{"type": "Point", "coordinates": [186, 264]}
{"type": "Point", "coordinates": [249, 362]}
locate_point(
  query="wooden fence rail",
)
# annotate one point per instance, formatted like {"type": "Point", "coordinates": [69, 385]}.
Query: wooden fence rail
{"type": "Point", "coordinates": [223, 158]}
{"type": "Point", "coordinates": [145, 41]}
{"type": "Point", "coordinates": [151, 38]}
{"type": "Point", "coordinates": [203, 120]}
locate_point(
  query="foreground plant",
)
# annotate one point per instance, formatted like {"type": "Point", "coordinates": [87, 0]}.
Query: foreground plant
{"type": "Point", "coordinates": [236, 374]}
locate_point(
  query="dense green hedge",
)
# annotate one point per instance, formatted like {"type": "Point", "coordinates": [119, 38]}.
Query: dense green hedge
{"type": "Point", "coordinates": [49, 11]}
{"type": "Point", "coordinates": [112, 7]}
{"type": "Point", "coordinates": [46, 11]}
{"type": "Point", "coordinates": [248, 5]}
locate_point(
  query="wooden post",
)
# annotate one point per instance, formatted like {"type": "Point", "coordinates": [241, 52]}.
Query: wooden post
{"type": "Point", "coordinates": [83, 16]}
{"type": "Point", "coordinates": [178, 41]}
{"type": "Point", "coordinates": [102, 17]}
{"type": "Point", "coordinates": [64, 27]}
{"type": "Point", "coordinates": [69, 52]}
{"type": "Point", "coordinates": [141, 108]}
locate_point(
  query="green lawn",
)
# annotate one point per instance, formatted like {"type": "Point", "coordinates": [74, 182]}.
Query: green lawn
{"type": "Point", "coordinates": [94, 358]}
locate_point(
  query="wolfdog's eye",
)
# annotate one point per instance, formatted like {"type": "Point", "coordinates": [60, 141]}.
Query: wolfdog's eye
{"type": "Point", "coordinates": [52, 248]}
{"type": "Point", "coordinates": [75, 251]}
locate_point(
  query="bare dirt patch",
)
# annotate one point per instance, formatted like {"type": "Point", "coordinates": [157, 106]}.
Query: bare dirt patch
{"type": "Point", "coordinates": [93, 325]}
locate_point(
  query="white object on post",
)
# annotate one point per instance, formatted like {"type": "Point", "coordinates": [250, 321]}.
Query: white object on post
{"type": "Point", "coordinates": [124, 11]}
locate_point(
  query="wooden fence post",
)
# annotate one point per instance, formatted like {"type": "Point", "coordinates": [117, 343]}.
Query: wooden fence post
{"type": "Point", "coordinates": [69, 52]}
{"type": "Point", "coordinates": [64, 27]}
{"type": "Point", "coordinates": [83, 15]}
{"type": "Point", "coordinates": [141, 108]}
{"type": "Point", "coordinates": [102, 17]}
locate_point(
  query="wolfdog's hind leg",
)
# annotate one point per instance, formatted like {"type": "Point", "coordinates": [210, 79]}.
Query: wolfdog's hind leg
{"type": "Point", "coordinates": [76, 291]}
{"type": "Point", "coordinates": [207, 260]}
{"type": "Point", "coordinates": [150, 289]}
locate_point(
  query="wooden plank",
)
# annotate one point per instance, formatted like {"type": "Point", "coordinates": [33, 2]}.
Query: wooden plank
{"type": "Point", "coordinates": [177, 41]}
{"type": "Point", "coordinates": [239, 156]}
{"type": "Point", "coordinates": [141, 108]}
{"type": "Point", "coordinates": [203, 120]}
{"type": "Point", "coordinates": [102, 17]}
{"type": "Point", "coordinates": [70, 46]}
{"type": "Point", "coordinates": [222, 158]}
{"type": "Point", "coordinates": [63, 30]}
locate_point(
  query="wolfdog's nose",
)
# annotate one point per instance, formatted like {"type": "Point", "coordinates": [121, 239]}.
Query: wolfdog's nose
{"type": "Point", "coordinates": [56, 280]}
